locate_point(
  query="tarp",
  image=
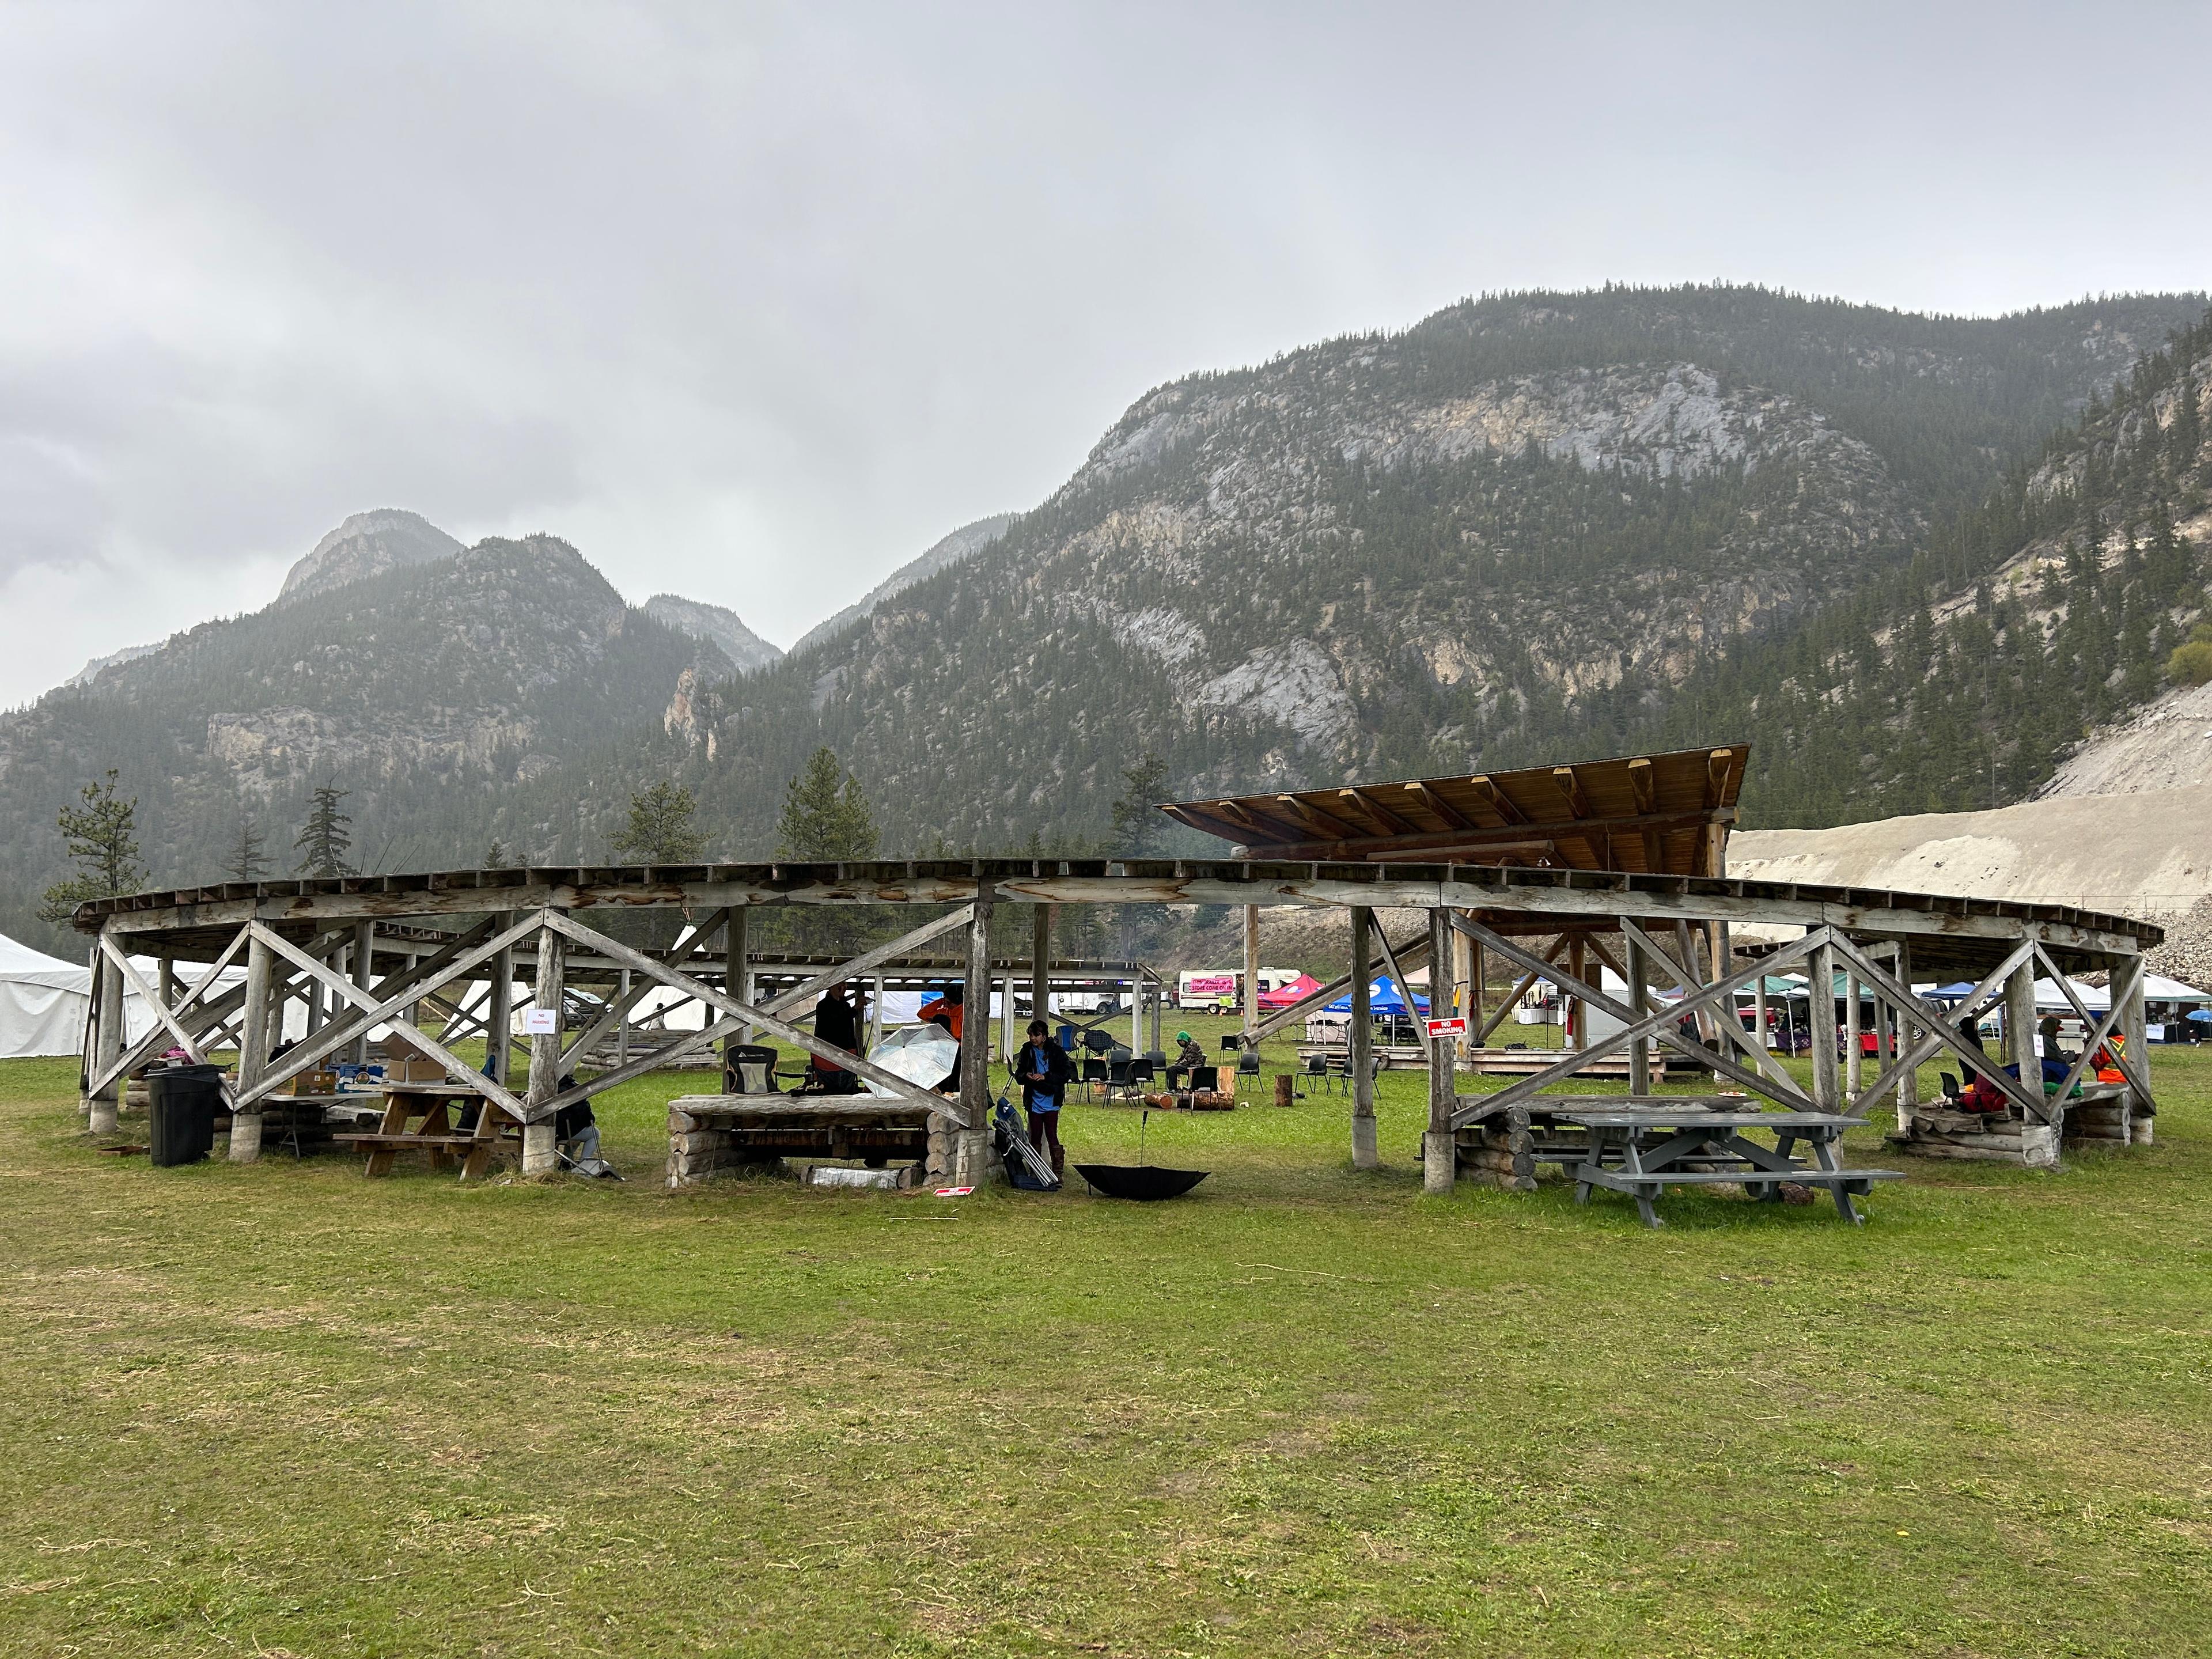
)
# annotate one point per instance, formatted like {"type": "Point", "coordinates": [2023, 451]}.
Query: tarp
{"type": "Point", "coordinates": [1382, 997]}
{"type": "Point", "coordinates": [1303, 985]}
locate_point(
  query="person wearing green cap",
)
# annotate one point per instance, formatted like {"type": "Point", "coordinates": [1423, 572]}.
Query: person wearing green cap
{"type": "Point", "coordinates": [1188, 1051]}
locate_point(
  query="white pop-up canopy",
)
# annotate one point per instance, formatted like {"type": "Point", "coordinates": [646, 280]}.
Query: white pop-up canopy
{"type": "Point", "coordinates": [2050, 999]}
{"type": "Point", "coordinates": [2159, 988]}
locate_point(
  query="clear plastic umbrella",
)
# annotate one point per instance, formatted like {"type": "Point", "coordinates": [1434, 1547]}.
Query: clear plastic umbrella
{"type": "Point", "coordinates": [922, 1054]}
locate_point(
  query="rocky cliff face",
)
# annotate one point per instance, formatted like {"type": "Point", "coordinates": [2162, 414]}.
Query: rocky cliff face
{"type": "Point", "coordinates": [366, 544]}
{"type": "Point", "coordinates": [721, 627]}
{"type": "Point", "coordinates": [1512, 532]}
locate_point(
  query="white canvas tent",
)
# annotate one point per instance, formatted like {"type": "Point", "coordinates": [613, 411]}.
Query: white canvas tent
{"type": "Point", "coordinates": [43, 1001]}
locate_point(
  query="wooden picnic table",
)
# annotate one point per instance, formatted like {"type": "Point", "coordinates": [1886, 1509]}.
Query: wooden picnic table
{"type": "Point", "coordinates": [1643, 1151]}
{"type": "Point", "coordinates": [430, 1102]}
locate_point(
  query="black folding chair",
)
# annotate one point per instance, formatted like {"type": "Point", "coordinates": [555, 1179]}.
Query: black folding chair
{"type": "Point", "coordinates": [1248, 1065]}
{"type": "Point", "coordinates": [1094, 1073]}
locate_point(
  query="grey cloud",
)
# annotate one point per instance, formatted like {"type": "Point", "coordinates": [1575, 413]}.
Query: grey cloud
{"type": "Point", "coordinates": [757, 302]}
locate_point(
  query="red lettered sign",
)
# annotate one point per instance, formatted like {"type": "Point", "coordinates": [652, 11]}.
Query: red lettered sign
{"type": "Point", "coordinates": [1455, 1026]}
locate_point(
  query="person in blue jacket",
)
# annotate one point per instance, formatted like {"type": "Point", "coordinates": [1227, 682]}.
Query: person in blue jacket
{"type": "Point", "coordinates": [1044, 1071]}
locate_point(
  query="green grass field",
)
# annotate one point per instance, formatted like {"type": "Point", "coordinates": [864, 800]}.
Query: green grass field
{"type": "Point", "coordinates": [281, 1410]}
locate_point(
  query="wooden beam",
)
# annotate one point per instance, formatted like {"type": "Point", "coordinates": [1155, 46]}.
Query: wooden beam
{"type": "Point", "coordinates": [1496, 800]}
{"type": "Point", "coordinates": [738, 1010]}
{"type": "Point", "coordinates": [1453, 818]}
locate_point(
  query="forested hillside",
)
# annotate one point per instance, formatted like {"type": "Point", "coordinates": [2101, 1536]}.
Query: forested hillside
{"type": "Point", "coordinates": [1531, 527]}
{"type": "Point", "coordinates": [426, 692]}
{"type": "Point", "coordinates": [1909, 558]}
{"type": "Point", "coordinates": [1965, 679]}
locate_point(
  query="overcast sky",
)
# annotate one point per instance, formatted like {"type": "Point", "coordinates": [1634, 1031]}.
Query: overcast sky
{"type": "Point", "coordinates": [753, 303]}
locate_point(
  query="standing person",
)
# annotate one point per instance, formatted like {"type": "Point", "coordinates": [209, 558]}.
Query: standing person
{"type": "Point", "coordinates": [1044, 1071]}
{"type": "Point", "coordinates": [837, 1022]}
{"type": "Point", "coordinates": [948, 1009]}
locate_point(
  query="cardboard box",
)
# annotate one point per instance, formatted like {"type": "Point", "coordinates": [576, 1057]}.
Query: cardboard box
{"type": "Point", "coordinates": [317, 1082]}
{"type": "Point", "coordinates": [415, 1071]}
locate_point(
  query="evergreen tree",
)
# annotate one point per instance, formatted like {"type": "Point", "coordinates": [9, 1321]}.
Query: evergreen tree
{"type": "Point", "coordinates": [247, 861]}
{"type": "Point", "coordinates": [101, 839]}
{"type": "Point", "coordinates": [495, 855]}
{"type": "Point", "coordinates": [324, 842]}
{"type": "Point", "coordinates": [825, 815]}
{"type": "Point", "coordinates": [1137, 828]}
{"type": "Point", "coordinates": [660, 830]}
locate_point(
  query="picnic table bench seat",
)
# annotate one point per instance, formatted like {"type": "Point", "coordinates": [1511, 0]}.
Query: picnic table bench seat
{"type": "Point", "coordinates": [1645, 1150]}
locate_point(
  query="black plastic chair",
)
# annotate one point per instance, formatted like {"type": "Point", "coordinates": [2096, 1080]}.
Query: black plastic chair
{"type": "Point", "coordinates": [1231, 1043]}
{"type": "Point", "coordinates": [1248, 1065]}
{"type": "Point", "coordinates": [1950, 1085]}
{"type": "Point", "coordinates": [1142, 1070]}
{"type": "Point", "coordinates": [1207, 1077]}
{"type": "Point", "coordinates": [1094, 1072]}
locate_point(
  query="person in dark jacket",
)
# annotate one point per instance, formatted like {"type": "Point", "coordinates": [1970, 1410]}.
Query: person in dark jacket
{"type": "Point", "coordinates": [837, 1022]}
{"type": "Point", "coordinates": [1044, 1071]}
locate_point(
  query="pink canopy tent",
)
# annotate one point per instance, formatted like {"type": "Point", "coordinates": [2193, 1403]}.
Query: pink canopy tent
{"type": "Point", "coordinates": [1303, 985]}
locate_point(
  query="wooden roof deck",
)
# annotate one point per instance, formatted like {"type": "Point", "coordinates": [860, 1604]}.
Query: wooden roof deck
{"type": "Point", "coordinates": [1644, 814]}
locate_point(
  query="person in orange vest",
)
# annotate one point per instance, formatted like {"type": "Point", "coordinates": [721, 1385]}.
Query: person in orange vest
{"type": "Point", "coordinates": [947, 1008]}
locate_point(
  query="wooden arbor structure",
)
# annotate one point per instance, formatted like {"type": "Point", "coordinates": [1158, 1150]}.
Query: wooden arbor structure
{"type": "Point", "coordinates": [1652, 830]}
{"type": "Point", "coordinates": [348, 942]}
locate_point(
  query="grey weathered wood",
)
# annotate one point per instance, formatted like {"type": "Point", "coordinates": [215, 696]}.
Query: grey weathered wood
{"type": "Point", "coordinates": [801, 994]}
{"type": "Point", "coordinates": [362, 960]}
{"type": "Point", "coordinates": [1361, 1047]}
{"type": "Point", "coordinates": [1660, 1025]}
{"type": "Point", "coordinates": [1639, 1003]}
{"type": "Point", "coordinates": [1827, 1095]}
{"type": "Point", "coordinates": [736, 1010]}
{"type": "Point", "coordinates": [1943, 1034]}
{"type": "Point", "coordinates": [616, 1015]}
{"type": "Point", "coordinates": [1251, 968]}
{"type": "Point", "coordinates": [1041, 963]}
{"type": "Point", "coordinates": [1439, 1149]}
{"type": "Point", "coordinates": [1543, 892]}
{"type": "Point", "coordinates": [976, 1020]}
{"type": "Point", "coordinates": [1726, 1026]}
{"type": "Point", "coordinates": [451, 963]}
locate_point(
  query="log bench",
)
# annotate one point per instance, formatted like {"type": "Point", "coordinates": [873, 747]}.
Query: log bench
{"type": "Point", "coordinates": [710, 1135]}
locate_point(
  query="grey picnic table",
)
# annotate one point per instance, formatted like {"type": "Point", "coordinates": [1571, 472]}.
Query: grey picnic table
{"type": "Point", "coordinates": [1643, 1151]}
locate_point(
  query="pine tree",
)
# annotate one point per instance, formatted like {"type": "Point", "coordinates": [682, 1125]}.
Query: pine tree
{"type": "Point", "coordinates": [324, 842]}
{"type": "Point", "coordinates": [248, 862]}
{"type": "Point", "coordinates": [660, 830]}
{"type": "Point", "coordinates": [1137, 827]}
{"type": "Point", "coordinates": [825, 815]}
{"type": "Point", "coordinates": [495, 855]}
{"type": "Point", "coordinates": [101, 838]}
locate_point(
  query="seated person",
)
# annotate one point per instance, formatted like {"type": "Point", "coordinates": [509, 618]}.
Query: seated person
{"type": "Point", "coordinates": [576, 1134]}
{"type": "Point", "coordinates": [1188, 1051]}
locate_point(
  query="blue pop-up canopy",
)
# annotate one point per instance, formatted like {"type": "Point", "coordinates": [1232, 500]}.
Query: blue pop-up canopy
{"type": "Point", "coordinates": [1382, 997]}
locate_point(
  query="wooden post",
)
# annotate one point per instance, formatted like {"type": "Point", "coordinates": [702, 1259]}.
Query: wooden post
{"type": "Point", "coordinates": [1006, 1044]}
{"type": "Point", "coordinates": [1440, 1145]}
{"type": "Point", "coordinates": [106, 1015]}
{"type": "Point", "coordinates": [1639, 1001]}
{"type": "Point", "coordinates": [876, 1014]}
{"type": "Point", "coordinates": [622, 1031]}
{"type": "Point", "coordinates": [1820, 970]}
{"type": "Point", "coordinates": [736, 973]}
{"type": "Point", "coordinates": [499, 1012]}
{"type": "Point", "coordinates": [973, 1154]}
{"type": "Point", "coordinates": [1154, 991]}
{"type": "Point", "coordinates": [1252, 968]}
{"type": "Point", "coordinates": [364, 978]}
{"type": "Point", "coordinates": [1364, 1155]}
{"type": "Point", "coordinates": [253, 1046]}
{"type": "Point", "coordinates": [1758, 1012]}
{"type": "Point", "coordinates": [1852, 1033]}
{"type": "Point", "coordinates": [2019, 1023]}
{"type": "Point", "coordinates": [1463, 949]}
{"type": "Point", "coordinates": [1041, 963]}
{"type": "Point", "coordinates": [1571, 1033]}
{"type": "Point", "coordinates": [2134, 1036]}
{"type": "Point", "coordinates": [540, 1156]}
{"type": "Point", "coordinates": [1478, 983]}
{"type": "Point", "coordinates": [1908, 1033]}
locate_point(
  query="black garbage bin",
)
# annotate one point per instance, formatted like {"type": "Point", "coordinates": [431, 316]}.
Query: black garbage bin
{"type": "Point", "coordinates": [181, 1102]}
